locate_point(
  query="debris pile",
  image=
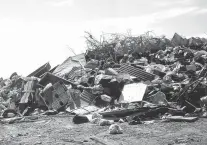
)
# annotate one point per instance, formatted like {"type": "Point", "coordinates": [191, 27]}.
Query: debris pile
{"type": "Point", "coordinates": [119, 79]}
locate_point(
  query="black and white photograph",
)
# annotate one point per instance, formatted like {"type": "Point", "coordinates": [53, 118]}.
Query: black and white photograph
{"type": "Point", "coordinates": [103, 72]}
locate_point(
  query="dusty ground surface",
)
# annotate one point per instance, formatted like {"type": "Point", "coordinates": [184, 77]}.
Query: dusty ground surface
{"type": "Point", "coordinates": [59, 130]}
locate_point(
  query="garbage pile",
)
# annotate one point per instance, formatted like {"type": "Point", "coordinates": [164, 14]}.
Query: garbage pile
{"type": "Point", "coordinates": [119, 79]}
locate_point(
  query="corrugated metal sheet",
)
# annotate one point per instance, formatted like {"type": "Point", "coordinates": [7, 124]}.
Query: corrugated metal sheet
{"type": "Point", "coordinates": [72, 74]}
{"type": "Point", "coordinates": [68, 64]}
{"type": "Point", "coordinates": [137, 72]}
{"type": "Point", "coordinates": [87, 96]}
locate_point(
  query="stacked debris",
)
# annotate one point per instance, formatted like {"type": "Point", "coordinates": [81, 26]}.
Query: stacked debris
{"type": "Point", "coordinates": [123, 78]}
{"type": "Point", "coordinates": [152, 76]}
{"type": "Point", "coordinates": [27, 96]}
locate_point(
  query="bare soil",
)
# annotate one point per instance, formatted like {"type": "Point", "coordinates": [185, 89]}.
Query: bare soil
{"type": "Point", "coordinates": [60, 130]}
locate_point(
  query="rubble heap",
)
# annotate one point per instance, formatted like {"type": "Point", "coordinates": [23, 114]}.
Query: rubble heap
{"type": "Point", "coordinates": [130, 79]}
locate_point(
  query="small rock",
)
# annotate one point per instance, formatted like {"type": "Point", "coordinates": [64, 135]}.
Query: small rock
{"type": "Point", "coordinates": [85, 140]}
{"type": "Point", "coordinates": [60, 113]}
{"type": "Point", "coordinates": [121, 121]}
{"type": "Point", "coordinates": [204, 115]}
{"type": "Point", "coordinates": [13, 136]}
{"type": "Point", "coordinates": [19, 134]}
{"type": "Point", "coordinates": [39, 142]}
{"type": "Point", "coordinates": [149, 122]}
{"type": "Point", "coordinates": [187, 115]}
{"type": "Point", "coordinates": [10, 115]}
{"type": "Point", "coordinates": [95, 120]}
{"type": "Point", "coordinates": [134, 122]}
{"type": "Point", "coordinates": [104, 122]}
{"type": "Point", "coordinates": [115, 129]}
{"type": "Point", "coordinates": [96, 115]}
{"type": "Point", "coordinates": [78, 119]}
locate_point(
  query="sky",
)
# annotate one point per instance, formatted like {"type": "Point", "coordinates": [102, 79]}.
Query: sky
{"type": "Point", "coordinates": [33, 32]}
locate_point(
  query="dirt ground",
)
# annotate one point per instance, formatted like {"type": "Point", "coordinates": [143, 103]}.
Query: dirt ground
{"type": "Point", "coordinates": [59, 130]}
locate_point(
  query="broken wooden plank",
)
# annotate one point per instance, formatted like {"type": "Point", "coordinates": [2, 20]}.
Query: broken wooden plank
{"type": "Point", "coordinates": [181, 119]}
{"type": "Point", "coordinates": [102, 142]}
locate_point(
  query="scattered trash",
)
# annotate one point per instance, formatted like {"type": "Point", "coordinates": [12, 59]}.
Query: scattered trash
{"type": "Point", "coordinates": [122, 79]}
